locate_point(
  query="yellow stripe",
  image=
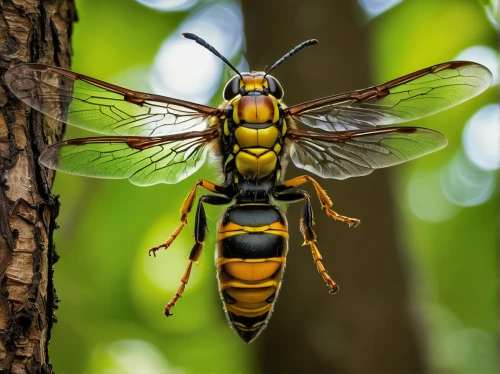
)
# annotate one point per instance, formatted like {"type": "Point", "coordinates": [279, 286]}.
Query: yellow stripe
{"type": "Point", "coordinates": [230, 157]}
{"type": "Point", "coordinates": [250, 295]}
{"type": "Point", "coordinates": [258, 324]}
{"type": "Point", "coordinates": [226, 234]}
{"type": "Point", "coordinates": [243, 327]}
{"type": "Point", "coordinates": [247, 329]}
{"type": "Point", "coordinates": [235, 103]}
{"type": "Point", "coordinates": [248, 312]}
{"type": "Point", "coordinates": [278, 226]}
{"type": "Point", "coordinates": [230, 226]}
{"type": "Point", "coordinates": [250, 306]}
{"type": "Point", "coordinates": [239, 324]}
{"type": "Point", "coordinates": [256, 229]}
{"type": "Point", "coordinates": [233, 226]}
{"type": "Point", "coordinates": [250, 204]}
{"type": "Point", "coordinates": [276, 110]}
{"type": "Point", "coordinates": [256, 151]}
{"type": "Point", "coordinates": [283, 132]}
{"type": "Point", "coordinates": [240, 284]}
{"type": "Point", "coordinates": [223, 260]}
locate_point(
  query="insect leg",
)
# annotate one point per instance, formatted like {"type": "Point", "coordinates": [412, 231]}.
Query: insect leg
{"type": "Point", "coordinates": [321, 268]}
{"type": "Point", "coordinates": [186, 208]}
{"type": "Point", "coordinates": [306, 227]}
{"type": "Point", "coordinates": [199, 236]}
{"type": "Point", "coordinates": [324, 199]}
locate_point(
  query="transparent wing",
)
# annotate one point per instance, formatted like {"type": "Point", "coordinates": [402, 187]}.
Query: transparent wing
{"type": "Point", "coordinates": [101, 107]}
{"type": "Point", "coordinates": [355, 153]}
{"type": "Point", "coordinates": [411, 97]}
{"type": "Point", "coordinates": [144, 161]}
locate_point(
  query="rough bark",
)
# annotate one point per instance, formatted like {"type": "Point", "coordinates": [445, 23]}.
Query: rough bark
{"type": "Point", "coordinates": [30, 31]}
{"type": "Point", "coordinates": [368, 326]}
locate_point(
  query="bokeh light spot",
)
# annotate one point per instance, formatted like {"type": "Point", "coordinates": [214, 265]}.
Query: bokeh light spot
{"type": "Point", "coordinates": [168, 5]}
{"type": "Point", "coordinates": [441, 324]}
{"type": "Point", "coordinates": [374, 8]}
{"type": "Point", "coordinates": [426, 199]}
{"type": "Point", "coordinates": [155, 280]}
{"type": "Point", "coordinates": [491, 8]}
{"type": "Point", "coordinates": [465, 184]}
{"type": "Point", "coordinates": [164, 271]}
{"type": "Point", "coordinates": [226, 18]}
{"type": "Point", "coordinates": [130, 357]}
{"type": "Point", "coordinates": [481, 138]}
{"type": "Point", "coordinates": [470, 350]}
{"type": "Point", "coordinates": [185, 70]}
{"type": "Point", "coordinates": [135, 78]}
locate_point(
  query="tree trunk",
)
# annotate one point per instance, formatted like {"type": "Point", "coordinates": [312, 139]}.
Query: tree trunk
{"type": "Point", "coordinates": [368, 326]}
{"type": "Point", "coordinates": [30, 31]}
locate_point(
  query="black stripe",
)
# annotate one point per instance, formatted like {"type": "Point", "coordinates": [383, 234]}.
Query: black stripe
{"type": "Point", "coordinates": [248, 321]}
{"type": "Point", "coordinates": [255, 245]}
{"type": "Point", "coordinates": [247, 336]}
{"type": "Point", "coordinates": [253, 215]}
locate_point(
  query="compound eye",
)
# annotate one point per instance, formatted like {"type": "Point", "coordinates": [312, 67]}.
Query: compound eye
{"type": "Point", "coordinates": [275, 88]}
{"type": "Point", "coordinates": [232, 88]}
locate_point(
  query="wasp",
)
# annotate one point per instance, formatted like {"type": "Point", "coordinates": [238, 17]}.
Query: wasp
{"type": "Point", "coordinates": [152, 139]}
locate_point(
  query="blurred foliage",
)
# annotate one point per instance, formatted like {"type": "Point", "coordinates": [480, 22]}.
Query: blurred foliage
{"type": "Point", "coordinates": [112, 294]}
{"type": "Point", "coordinates": [456, 259]}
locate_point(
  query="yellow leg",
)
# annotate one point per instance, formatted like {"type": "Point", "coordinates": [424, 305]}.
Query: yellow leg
{"type": "Point", "coordinates": [180, 290]}
{"type": "Point", "coordinates": [199, 237]}
{"type": "Point", "coordinates": [324, 199]}
{"type": "Point", "coordinates": [186, 208]}
{"type": "Point", "coordinates": [193, 258]}
{"type": "Point", "coordinates": [321, 268]}
{"type": "Point", "coordinates": [306, 226]}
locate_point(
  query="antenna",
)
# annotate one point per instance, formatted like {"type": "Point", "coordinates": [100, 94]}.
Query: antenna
{"type": "Point", "coordinates": [291, 53]}
{"type": "Point", "coordinates": [203, 43]}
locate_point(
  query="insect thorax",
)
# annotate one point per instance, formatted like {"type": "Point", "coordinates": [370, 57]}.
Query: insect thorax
{"type": "Point", "coordinates": [253, 136]}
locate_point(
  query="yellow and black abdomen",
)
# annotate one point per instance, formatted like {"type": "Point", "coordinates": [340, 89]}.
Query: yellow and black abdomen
{"type": "Point", "coordinates": [252, 243]}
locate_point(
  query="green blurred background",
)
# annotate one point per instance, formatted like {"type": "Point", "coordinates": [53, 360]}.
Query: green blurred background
{"type": "Point", "coordinates": [112, 294]}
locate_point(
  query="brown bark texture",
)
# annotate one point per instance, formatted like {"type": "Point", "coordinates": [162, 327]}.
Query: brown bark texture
{"type": "Point", "coordinates": [30, 31]}
{"type": "Point", "coordinates": [369, 326]}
